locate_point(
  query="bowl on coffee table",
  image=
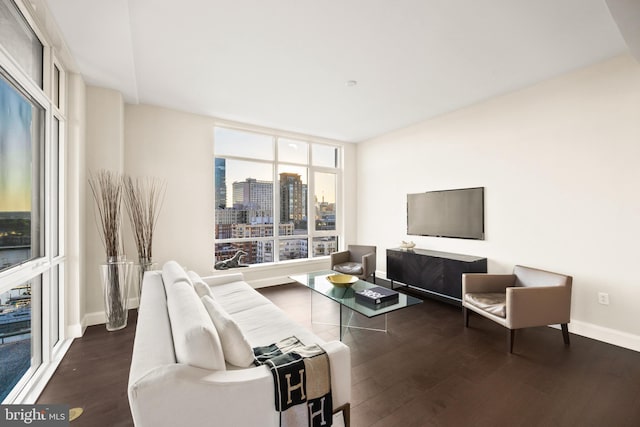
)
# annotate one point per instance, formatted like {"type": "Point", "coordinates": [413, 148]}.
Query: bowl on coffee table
{"type": "Point", "coordinates": [342, 280]}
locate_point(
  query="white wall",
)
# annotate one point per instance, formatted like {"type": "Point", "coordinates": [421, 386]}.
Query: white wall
{"type": "Point", "coordinates": [559, 163]}
{"type": "Point", "coordinates": [104, 150]}
{"type": "Point", "coordinates": [178, 148]}
{"type": "Point", "coordinates": [75, 226]}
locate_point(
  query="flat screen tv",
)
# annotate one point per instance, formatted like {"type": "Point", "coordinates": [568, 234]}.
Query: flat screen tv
{"type": "Point", "coordinates": [448, 213]}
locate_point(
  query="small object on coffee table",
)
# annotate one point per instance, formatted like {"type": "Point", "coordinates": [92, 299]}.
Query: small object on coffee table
{"type": "Point", "coordinates": [342, 280]}
{"type": "Point", "coordinates": [377, 295]}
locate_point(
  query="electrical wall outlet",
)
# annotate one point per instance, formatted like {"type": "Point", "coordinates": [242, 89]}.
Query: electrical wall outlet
{"type": "Point", "coordinates": [603, 298]}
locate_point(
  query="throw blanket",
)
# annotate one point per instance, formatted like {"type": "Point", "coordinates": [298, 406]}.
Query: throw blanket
{"type": "Point", "coordinates": [302, 382]}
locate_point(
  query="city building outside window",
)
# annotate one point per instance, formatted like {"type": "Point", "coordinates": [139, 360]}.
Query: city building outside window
{"type": "Point", "coordinates": [275, 198]}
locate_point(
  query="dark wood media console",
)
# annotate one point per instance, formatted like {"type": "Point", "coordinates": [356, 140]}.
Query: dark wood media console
{"type": "Point", "coordinates": [439, 274]}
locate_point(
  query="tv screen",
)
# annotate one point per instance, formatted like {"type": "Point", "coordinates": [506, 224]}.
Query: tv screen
{"type": "Point", "coordinates": [448, 213]}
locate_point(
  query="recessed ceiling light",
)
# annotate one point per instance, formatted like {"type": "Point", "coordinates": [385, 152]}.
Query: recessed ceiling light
{"type": "Point", "coordinates": [351, 83]}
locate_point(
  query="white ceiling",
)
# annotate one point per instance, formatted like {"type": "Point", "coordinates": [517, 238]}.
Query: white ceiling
{"type": "Point", "coordinates": [285, 63]}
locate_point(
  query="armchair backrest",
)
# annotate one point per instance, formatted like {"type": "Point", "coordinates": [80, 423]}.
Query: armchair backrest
{"type": "Point", "coordinates": [528, 277]}
{"type": "Point", "coordinates": [356, 252]}
{"type": "Point", "coordinates": [552, 302]}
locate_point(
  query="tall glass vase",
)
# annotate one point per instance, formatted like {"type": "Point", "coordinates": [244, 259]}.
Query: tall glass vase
{"type": "Point", "coordinates": [116, 278]}
{"type": "Point", "coordinates": [144, 265]}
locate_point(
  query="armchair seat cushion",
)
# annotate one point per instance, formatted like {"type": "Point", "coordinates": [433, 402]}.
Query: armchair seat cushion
{"type": "Point", "coordinates": [491, 302]}
{"type": "Point", "coordinates": [354, 268]}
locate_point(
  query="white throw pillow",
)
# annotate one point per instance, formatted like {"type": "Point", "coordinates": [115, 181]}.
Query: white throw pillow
{"type": "Point", "coordinates": [235, 346]}
{"type": "Point", "coordinates": [173, 272]}
{"type": "Point", "coordinates": [195, 339]}
{"type": "Point", "coordinates": [195, 277]}
{"type": "Point", "coordinates": [200, 286]}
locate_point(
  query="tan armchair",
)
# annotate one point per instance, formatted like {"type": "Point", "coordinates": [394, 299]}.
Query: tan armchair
{"type": "Point", "coordinates": [528, 297]}
{"type": "Point", "coordinates": [357, 260]}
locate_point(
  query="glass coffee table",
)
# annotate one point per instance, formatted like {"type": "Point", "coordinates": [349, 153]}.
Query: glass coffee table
{"type": "Point", "coordinates": [345, 297]}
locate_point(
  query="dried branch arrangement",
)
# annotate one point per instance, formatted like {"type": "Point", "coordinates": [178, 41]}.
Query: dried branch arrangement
{"type": "Point", "coordinates": [107, 189]}
{"type": "Point", "coordinates": [143, 200]}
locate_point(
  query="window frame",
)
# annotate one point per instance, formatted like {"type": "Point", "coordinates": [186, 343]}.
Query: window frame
{"type": "Point", "coordinates": [276, 164]}
{"type": "Point", "coordinates": [46, 350]}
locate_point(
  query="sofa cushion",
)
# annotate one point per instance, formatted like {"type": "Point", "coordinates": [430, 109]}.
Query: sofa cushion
{"type": "Point", "coordinates": [173, 272]}
{"type": "Point", "coordinates": [349, 268]}
{"type": "Point", "coordinates": [202, 289]}
{"type": "Point", "coordinates": [199, 285]}
{"type": "Point", "coordinates": [235, 346]}
{"type": "Point", "coordinates": [261, 321]}
{"type": "Point", "coordinates": [237, 297]}
{"type": "Point", "coordinates": [195, 338]}
{"type": "Point", "coordinates": [491, 302]}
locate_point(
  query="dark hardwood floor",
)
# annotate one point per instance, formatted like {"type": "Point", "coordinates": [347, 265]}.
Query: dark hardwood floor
{"type": "Point", "coordinates": [93, 375]}
{"type": "Point", "coordinates": [427, 370]}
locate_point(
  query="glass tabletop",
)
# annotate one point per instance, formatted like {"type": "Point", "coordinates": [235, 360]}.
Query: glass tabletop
{"type": "Point", "coordinates": [318, 282]}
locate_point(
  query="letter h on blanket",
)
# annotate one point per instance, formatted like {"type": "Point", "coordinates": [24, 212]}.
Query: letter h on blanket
{"type": "Point", "coordinates": [302, 382]}
{"type": "Point", "coordinates": [299, 386]}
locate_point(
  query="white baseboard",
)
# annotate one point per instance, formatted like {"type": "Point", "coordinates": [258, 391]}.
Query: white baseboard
{"type": "Point", "coordinates": [95, 318]}
{"type": "Point", "coordinates": [610, 336]}
{"type": "Point", "coordinates": [98, 317]}
{"type": "Point", "coordinates": [76, 330]}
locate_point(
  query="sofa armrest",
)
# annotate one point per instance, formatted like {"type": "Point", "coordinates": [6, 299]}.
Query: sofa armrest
{"type": "Point", "coordinates": [222, 279]}
{"type": "Point", "coordinates": [340, 366]}
{"type": "Point", "coordinates": [176, 395]}
{"type": "Point", "coordinates": [339, 257]}
{"type": "Point", "coordinates": [482, 282]}
{"type": "Point", "coordinates": [538, 306]}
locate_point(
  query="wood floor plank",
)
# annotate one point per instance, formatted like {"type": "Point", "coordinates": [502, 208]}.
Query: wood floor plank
{"type": "Point", "coordinates": [428, 370]}
{"type": "Point", "coordinates": [93, 375]}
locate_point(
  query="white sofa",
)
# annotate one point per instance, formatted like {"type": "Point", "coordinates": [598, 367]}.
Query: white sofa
{"type": "Point", "coordinates": [178, 374]}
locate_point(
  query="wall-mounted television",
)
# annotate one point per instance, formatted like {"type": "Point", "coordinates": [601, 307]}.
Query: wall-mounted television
{"type": "Point", "coordinates": [448, 213]}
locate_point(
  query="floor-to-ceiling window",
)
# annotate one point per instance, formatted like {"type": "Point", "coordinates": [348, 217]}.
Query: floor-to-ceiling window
{"type": "Point", "coordinates": [275, 197]}
{"type": "Point", "coordinates": [32, 86]}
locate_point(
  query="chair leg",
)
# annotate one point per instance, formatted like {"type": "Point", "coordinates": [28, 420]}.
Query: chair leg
{"type": "Point", "coordinates": [511, 335]}
{"type": "Point", "coordinates": [565, 333]}
{"type": "Point", "coordinates": [465, 313]}
{"type": "Point", "coordinates": [374, 278]}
